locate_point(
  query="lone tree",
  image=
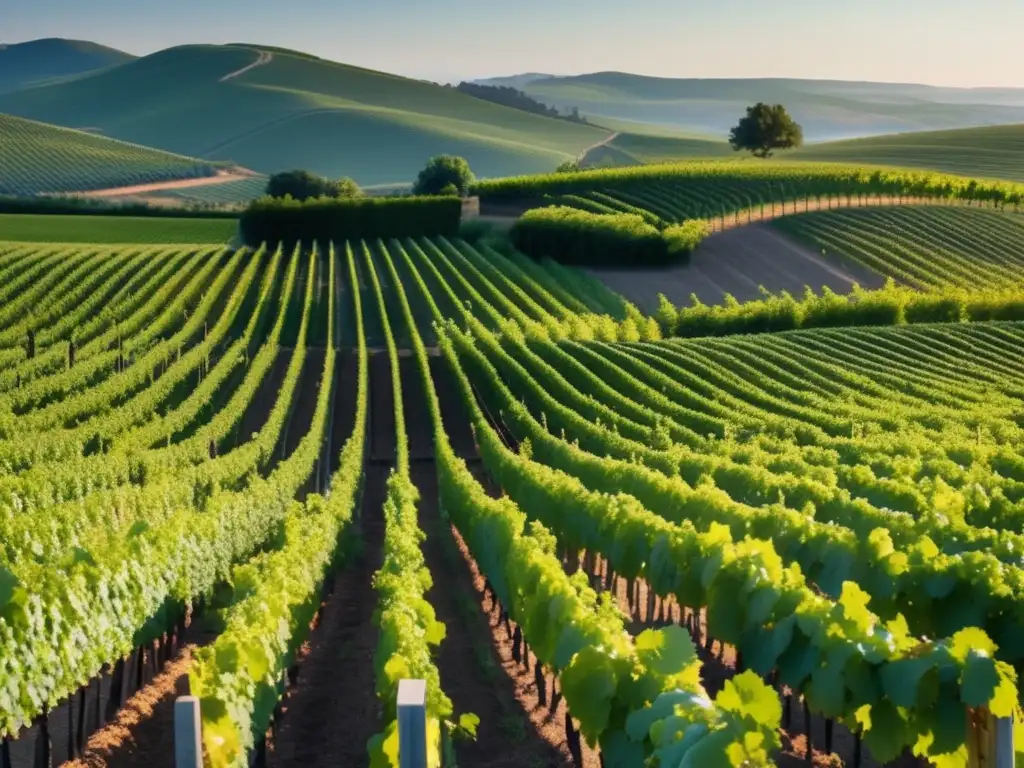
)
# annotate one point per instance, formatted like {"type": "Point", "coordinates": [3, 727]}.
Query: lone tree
{"type": "Point", "coordinates": [765, 129]}
{"type": "Point", "coordinates": [441, 174]}
{"type": "Point", "coordinates": [303, 185]}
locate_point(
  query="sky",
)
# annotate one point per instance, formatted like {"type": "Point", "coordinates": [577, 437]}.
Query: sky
{"type": "Point", "coordinates": [938, 42]}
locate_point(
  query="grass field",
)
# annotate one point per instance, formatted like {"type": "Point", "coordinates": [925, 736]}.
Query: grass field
{"type": "Point", "coordinates": [995, 152]}
{"type": "Point", "coordinates": [679, 520]}
{"type": "Point", "coordinates": [640, 148]}
{"type": "Point", "coordinates": [298, 111]}
{"type": "Point", "coordinates": [36, 157]}
{"type": "Point", "coordinates": [114, 229]}
{"type": "Point", "coordinates": [921, 246]}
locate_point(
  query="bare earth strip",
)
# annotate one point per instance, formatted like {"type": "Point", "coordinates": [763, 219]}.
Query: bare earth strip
{"type": "Point", "coordinates": [221, 177]}
{"type": "Point", "coordinates": [265, 57]}
{"type": "Point", "coordinates": [738, 261]}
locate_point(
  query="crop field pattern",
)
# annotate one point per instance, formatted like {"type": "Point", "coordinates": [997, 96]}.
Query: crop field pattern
{"type": "Point", "coordinates": [285, 480]}
{"type": "Point", "coordinates": [35, 158]}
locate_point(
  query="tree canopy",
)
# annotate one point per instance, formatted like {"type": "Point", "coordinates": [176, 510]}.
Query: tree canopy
{"type": "Point", "coordinates": [441, 174]}
{"type": "Point", "coordinates": [303, 185]}
{"type": "Point", "coordinates": [764, 129]}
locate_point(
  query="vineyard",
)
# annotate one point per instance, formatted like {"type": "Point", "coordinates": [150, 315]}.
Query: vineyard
{"type": "Point", "coordinates": [36, 158]}
{"type": "Point", "coordinates": [926, 247]}
{"type": "Point", "coordinates": [286, 480]}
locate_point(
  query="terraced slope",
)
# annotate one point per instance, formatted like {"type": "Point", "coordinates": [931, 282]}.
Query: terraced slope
{"type": "Point", "coordinates": [293, 110]}
{"type": "Point", "coordinates": [23, 65]}
{"type": "Point", "coordinates": [995, 152]}
{"type": "Point", "coordinates": [920, 246]}
{"type": "Point", "coordinates": [36, 157]}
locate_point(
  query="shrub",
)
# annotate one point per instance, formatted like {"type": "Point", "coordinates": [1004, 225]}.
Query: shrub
{"type": "Point", "coordinates": [286, 220]}
{"type": "Point", "coordinates": [578, 237]}
{"type": "Point", "coordinates": [303, 185]}
{"type": "Point", "coordinates": [442, 173]}
{"type": "Point", "coordinates": [683, 239]}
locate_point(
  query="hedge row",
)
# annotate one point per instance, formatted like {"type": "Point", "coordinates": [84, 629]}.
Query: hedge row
{"type": "Point", "coordinates": [891, 305]}
{"type": "Point", "coordinates": [86, 206]}
{"type": "Point", "coordinates": [571, 236]}
{"type": "Point", "coordinates": [274, 220]}
{"type": "Point", "coordinates": [756, 180]}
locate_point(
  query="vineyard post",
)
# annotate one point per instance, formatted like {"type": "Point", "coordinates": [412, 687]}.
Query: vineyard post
{"type": "Point", "coordinates": [412, 724]}
{"type": "Point", "coordinates": [188, 740]}
{"type": "Point", "coordinates": [1004, 742]}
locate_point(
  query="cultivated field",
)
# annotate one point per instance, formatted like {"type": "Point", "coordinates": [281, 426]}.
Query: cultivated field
{"type": "Point", "coordinates": [35, 158]}
{"type": "Point", "coordinates": [741, 262]}
{"type": "Point", "coordinates": [921, 246]}
{"type": "Point", "coordinates": [249, 466]}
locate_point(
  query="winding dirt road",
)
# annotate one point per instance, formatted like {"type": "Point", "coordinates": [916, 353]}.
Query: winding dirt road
{"type": "Point", "coordinates": [221, 177]}
{"type": "Point", "coordinates": [265, 57]}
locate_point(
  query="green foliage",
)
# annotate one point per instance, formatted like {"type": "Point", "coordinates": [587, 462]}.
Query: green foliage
{"type": "Point", "coordinates": [441, 174]}
{"type": "Point", "coordinates": [304, 185]}
{"type": "Point", "coordinates": [569, 166]}
{"type": "Point", "coordinates": [607, 679]}
{"type": "Point", "coordinates": [765, 129]}
{"type": "Point", "coordinates": [683, 239]}
{"type": "Point", "coordinates": [323, 219]}
{"type": "Point", "coordinates": [703, 189]}
{"type": "Point", "coordinates": [86, 206]}
{"type": "Point", "coordinates": [891, 305]}
{"type": "Point", "coordinates": [577, 237]}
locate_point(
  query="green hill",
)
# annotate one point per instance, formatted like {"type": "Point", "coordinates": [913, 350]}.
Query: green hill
{"type": "Point", "coordinates": [995, 152]}
{"type": "Point", "coordinates": [35, 157]}
{"type": "Point", "coordinates": [828, 110]}
{"type": "Point", "coordinates": [26, 64]}
{"type": "Point", "coordinates": [292, 110]}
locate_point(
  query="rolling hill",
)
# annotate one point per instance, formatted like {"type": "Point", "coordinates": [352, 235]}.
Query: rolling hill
{"type": "Point", "coordinates": [828, 110]}
{"type": "Point", "coordinates": [35, 158]}
{"type": "Point", "coordinates": [274, 110]}
{"type": "Point", "coordinates": [995, 152]}
{"type": "Point", "coordinates": [26, 64]}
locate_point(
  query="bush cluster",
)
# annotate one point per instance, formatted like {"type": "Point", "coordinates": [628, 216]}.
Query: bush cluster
{"type": "Point", "coordinates": [572, 236]}
{"type": "Point", "coordinates": [891, 305]}
{"type": "Point", "coordinates": [285, 220]}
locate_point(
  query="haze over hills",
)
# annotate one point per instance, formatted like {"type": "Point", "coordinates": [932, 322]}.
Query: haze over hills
{"type": "Point", "coordinates": [827, 109]}
{"type": "Point", "coordinates": [271, 109]}
{"type": "Point", "coordinates": [26, 64]}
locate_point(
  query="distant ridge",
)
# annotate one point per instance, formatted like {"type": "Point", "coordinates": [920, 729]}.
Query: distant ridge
{"type": "Point", "coordinates": [26, 64]}
{"type": "Point", "coordinates": [297, 111]}
{"type": "Point", "coordinates": [827, 109]}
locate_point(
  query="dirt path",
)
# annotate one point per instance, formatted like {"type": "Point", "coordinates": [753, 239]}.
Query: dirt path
{"type": "Point", "coordinates": [738, 261]}
{"type": "Point", "coordinates": [265, 57]}
{"type": "Point", "coordinates": [582, 156]}
{"type": "Point", "coordinates": [221, 177]}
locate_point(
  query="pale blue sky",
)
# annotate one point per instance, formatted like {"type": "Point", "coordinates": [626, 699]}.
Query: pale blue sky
{"type": "Point", "coordinates": [942, 42]}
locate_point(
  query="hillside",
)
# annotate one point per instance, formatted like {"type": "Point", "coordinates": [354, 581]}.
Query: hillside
{"type": "Point", "coordinates": [35, 158]}
{"type": "Point", "coordinates": [26, 64]}
{"type": "Point", "coordinates": [993, 152]}
{"type": "Point", "coordinates": [278, 110]}
{"type": "Point", "coordinates": [828, 110]}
